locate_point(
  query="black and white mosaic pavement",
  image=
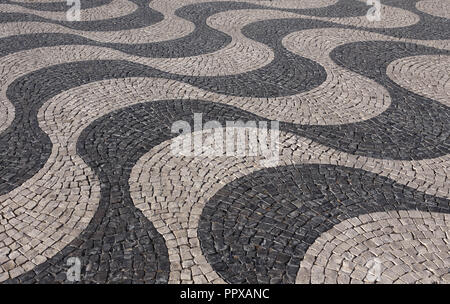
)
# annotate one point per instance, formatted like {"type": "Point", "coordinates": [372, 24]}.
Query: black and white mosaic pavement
{"type": "Point", "coordinates": [87, 169]}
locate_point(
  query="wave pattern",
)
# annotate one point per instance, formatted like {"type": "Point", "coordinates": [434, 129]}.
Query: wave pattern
{"type": "Point", "coordinates": [86, 163]}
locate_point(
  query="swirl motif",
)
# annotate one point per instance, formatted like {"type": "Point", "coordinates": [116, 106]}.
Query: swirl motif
{"type": "Point", "coordinates": [86, 163]}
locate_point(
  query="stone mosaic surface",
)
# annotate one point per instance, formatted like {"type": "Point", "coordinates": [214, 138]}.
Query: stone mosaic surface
{"type": "Point", "coordinates": [361, 190]}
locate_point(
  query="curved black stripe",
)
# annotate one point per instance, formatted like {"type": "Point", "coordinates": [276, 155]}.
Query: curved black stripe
{"type": "Point", "coordinates": [145, 16]}
{"type": "Point", "coordinates": [257, 229]}
{"type": "Point", "coordinates": [413, 127]}
{"type": "Point", "coordinates": [113, 144]}
{"type": "Point", "coordinates": [58, 6]}
{"type": "Point", "coordinates": [428, 28]}
{"type": "Point", "coordinates": [205, 39]}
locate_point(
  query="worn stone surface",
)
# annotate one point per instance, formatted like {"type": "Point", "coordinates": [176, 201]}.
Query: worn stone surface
{"type": "Point", "coordinates": [86, 162]}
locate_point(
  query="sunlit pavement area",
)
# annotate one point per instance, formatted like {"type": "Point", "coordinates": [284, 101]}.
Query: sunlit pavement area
{"type": "Point", "coordinates": [91, 190]}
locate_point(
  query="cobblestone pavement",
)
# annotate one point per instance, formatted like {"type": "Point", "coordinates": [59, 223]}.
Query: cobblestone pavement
{"type": "Point", "coordinates": [361, 189]}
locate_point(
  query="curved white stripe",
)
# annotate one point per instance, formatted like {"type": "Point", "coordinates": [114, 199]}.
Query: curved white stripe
{"type": "Point", "coordinates": [7, 113]}
{"type": "Point", "coordinates": [173, 27]}
{"type": "Point", "coordinates": [295, 4]}
{"type": "Point", "coordinates": [38, 1]}
{"type": "Point", "coordinates": [427, 75]}
{"type": "Point", "coordinates": [307, 108]}
{"type": "Point", "coordinates": [345, 95]}
{"type": "Point", "coordinates": [438, 8]}
{"type": "Point", "coordinates": [67, 114]}
{"type": "Point", "coordinates": [383, 247]}
{"type": "Point", "coordinates": [171, 190]}
{"type": "Point", "coordinates": [390, 17]}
